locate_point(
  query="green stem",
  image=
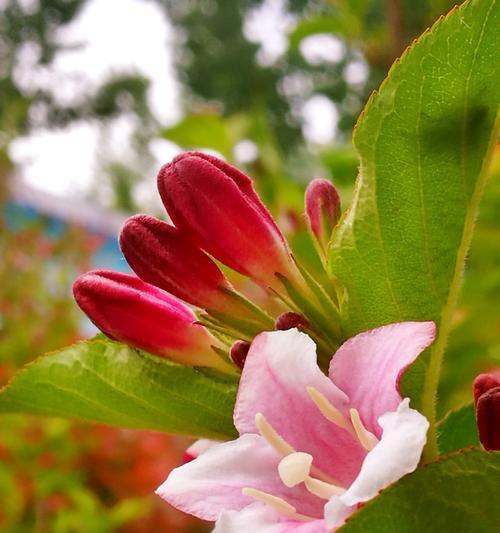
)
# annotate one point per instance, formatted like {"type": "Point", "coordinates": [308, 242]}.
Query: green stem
{"type": "Point", "coordinates": [266, 320]}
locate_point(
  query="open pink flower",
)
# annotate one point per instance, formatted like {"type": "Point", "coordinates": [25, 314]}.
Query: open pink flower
{"type": "Point", "coordinates": [311, 447]}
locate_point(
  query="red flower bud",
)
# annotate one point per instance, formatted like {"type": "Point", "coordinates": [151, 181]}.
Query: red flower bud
{"type": "Point", "coordinates": [322, 207]}
{"type": "Point", "coordinates": [218, 207]}
{"type": "Point", "coordinates": [487, 402]}
{"type": "Point", "coordinates": [291, 320]}
{"type": "Point", "coordinates": [129, 310]}
{"type": "Point", "coordinates": [162, 255]}
{"type": "Point", "coordinates": [239, 352]}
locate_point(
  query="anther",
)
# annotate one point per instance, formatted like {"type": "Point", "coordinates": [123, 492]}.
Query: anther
{"type": "Point", "coordinates": [294, 468]}
{"type": "Point", "coordinates": [269, 433]}
{"type": "Point", "coordinates": [278, 504]}
{"type": "Point", "coordinates": [322, 489]}
{"type": "Point", "coordinates": [330, 412]}
{"type": "Point", "coordinates": [365, 437]}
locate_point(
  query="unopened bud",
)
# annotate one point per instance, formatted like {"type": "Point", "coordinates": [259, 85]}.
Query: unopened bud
{"type": "Point", "coordinates": [239, 352]}
{"type": "Point", "coordinates": [291, 320]}
{"type": "Point", "coordinates": [129, 310]}
{"type": "Point", "coordinates": [163, 256]}
{"type": "Point", "coordinates": [216, 205]}
{"type": "Point", "coordinates": [322, 208]}
{"type": "Point", "coordinates": [487, 402]}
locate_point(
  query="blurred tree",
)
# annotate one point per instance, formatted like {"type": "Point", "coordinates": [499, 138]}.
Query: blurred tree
{"type": "Point", "coordinates": [337, 50]}
{"type": "Point", "coordinates": [29, 30]}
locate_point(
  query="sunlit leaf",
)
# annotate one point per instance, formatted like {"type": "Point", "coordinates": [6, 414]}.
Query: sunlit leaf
{"type": "Point", "coordinates": [109, 382]}
{"type": "Point", "coordinates": [459, 493]}
{"type": "Point", "coordinates": [424, 142]}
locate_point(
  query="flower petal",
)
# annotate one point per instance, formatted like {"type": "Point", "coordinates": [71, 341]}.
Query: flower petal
{"type": "Point", "coordinates": [397, 454]}
{"type": "Point", "coordinates": [259, 518]}
{"type": "Point", "coordinates": [368, 367]}
{"type": "Point", "coordinates": [212, 482]}
{"type": "Point", "coordinates": [279, 367]}
{"type": "Point", "coordinates": [256, 518]}
{"type": "Point", "coordinates": [197, 448]}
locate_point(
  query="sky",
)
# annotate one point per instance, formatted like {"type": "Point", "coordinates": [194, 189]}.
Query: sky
{"type": "Point", "coordinates": [62, 161]}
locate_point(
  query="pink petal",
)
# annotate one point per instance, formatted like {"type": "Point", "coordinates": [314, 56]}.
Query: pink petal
{"type": "Point", "coordinates": [212, 482]}
{"type": "Point", "coordinates": [368, 367]}
{"type": "Point", "coordinates": [259, 518]}
{"type": "Point", "coordinates": [279, 367]}
{"type": "Point", "coordinates": [397, 454]}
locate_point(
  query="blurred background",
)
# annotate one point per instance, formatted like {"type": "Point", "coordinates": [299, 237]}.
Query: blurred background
{"type": "Point", "coordinates": [94, 96]}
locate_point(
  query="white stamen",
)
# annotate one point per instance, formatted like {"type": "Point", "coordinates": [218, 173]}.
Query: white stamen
{"type": "Point", "coordinates": [272, 437]}
{"type": "Point", "coordinates": [281, 445]}
{"type": "Point", "coordinates": [365, 437]}
{"type": "Point", "coordinates": [330, 412]}
{"type": "Point", "coordinates": [294, 468]}
{"type": "Point", "coordinates": [278, 504]}
{"type": "Point", "coordinates": [321, 489]}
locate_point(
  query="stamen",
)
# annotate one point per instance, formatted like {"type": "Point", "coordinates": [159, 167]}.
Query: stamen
{"type": "Point", "coordinates": [365, 437]}
{"type": "Point", "coordinates": [272, 437]}
{"type": "Point", "coordinates": [330, 412]}
{"type": "Point", "coordinates": [278, 504]}
{"type": "Point", "coordinates": [294, 468]}
{"type": "Point", "coordinates": [322, 489]}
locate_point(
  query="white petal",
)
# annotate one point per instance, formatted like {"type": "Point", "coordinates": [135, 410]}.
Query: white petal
{"type": "Point", "coordinates": [259, 518]}
{"type": "Point", "coordinates": [336, 513]}
{"type": "Point", "coordinates": [397, 454]}
{"type": "Point", "coordinates": [256, 518]}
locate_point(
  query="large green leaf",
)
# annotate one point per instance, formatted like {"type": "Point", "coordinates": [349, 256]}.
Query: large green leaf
{"type": "Point", "coordinates": [424, 142]}
{"type": "Point", "coordinates": [458, 430]}
{"type": "Point", "coordinates": [459, 493]}
{"type": "Point", "coordinates": [109, 382]}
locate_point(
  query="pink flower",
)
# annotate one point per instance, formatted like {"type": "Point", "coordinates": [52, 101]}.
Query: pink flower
{"type": "Point", "coordinates": [312, 448]}
{"type": "Point", "coordinates": [132, 311]}
{"type": "Point", "coordinates": [216, 205]}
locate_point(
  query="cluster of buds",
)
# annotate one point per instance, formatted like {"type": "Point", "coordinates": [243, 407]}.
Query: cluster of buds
{"type": "Point", "coordinates": [217, 219]}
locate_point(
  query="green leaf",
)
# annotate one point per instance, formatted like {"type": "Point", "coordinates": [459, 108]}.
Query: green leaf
{"type": "Point", "coordinates": [203, 130]}
{"type": "Point", "coordinates": [424, 142]}
{"type": "Point", "coordinates": [109, 382]}
{"type": "Point", "coordinates": [458, 430]}
{"type": "Point", "coordinates": [459, 493]}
